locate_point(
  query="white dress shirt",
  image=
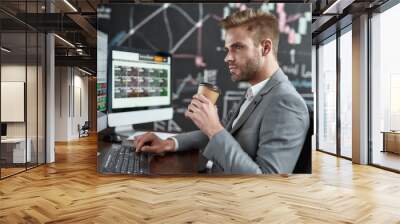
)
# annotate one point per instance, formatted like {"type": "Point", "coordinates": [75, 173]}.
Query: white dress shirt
{"type": "Point", "coordinates": [250, 93]}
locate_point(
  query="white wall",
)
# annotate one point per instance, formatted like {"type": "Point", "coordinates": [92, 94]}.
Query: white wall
{"type": "Point", "coordinates": [15, 72]}
{"type": "Point", "coordinates": [71, 96]}
{"type": "Point", "coordinates": [61, 103]}
{"type": "Point", "coordinates": [82, 82]}
{"type": "Point", "coordinates": [34, 124]}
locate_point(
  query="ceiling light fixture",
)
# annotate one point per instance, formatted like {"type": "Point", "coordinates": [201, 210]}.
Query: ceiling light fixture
{"type": "Point", "coordinates": [329, 9]}
{"type": "Point", "coordinates": [5, 50]}
{"type": "Point", "coordinates": [64, 40]}
{"type": "Point", "coordinates": [86, 72]}
{"type": "Point", "coordinates": [70, 5]}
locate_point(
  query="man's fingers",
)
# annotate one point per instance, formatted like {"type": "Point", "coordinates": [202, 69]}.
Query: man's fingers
{"type": "Point", "coordinates": [140, 141]}
{"type": "Point", "coordinates": [200, 105]}
{"type": "Point", "coordinates": [136, 139]}
{"type": "Point", "coordinates": [139, 144]}
{"type": "Point", "coordinates": [196, 103]}
{"type": "Point", "coordinates": [192, 108]}
{"type": "Point", "coordinates": [194, 118]}
{"type": "Point", "coordinates": [202, 98]}
{"type": "Point", "coordinates": [143, 139]}
{"type": "Point", "coordinates": [191, 116]}
{"type": "Point", "coordinates": [188, 114]}
{"type": "Point", "coordinates": [148, 148]}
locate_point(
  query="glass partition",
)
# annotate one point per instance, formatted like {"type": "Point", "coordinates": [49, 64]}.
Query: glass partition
{"type": "Point", "coordinates": [385, 89]}
{"type": "Point", "coordinates": [22, 90]}
{"type": "Point", "coordinates": [41, 110]}
{"type": "Point", "coordinates": [31, 98]}
{"type": "Point", "coordinates": [327, 96]}
{"type": "Point", "coordinates": [346, 94]}
{"type": "Point", "coordinates": [13, 108]}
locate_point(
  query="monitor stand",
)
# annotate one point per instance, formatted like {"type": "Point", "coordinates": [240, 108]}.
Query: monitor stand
{"type": "Point", "coordinates": [124, 131]}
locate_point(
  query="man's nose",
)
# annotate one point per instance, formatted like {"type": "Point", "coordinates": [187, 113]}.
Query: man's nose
{"type": "Point", "coordinates": [228, 57]}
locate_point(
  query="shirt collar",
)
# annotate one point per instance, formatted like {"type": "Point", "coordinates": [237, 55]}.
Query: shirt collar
{"type": "Point", "coordinates": [255, 89]}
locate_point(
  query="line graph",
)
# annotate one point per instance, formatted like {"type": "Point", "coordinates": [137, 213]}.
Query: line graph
{"type": "Point", "coordinates": [285, 21]}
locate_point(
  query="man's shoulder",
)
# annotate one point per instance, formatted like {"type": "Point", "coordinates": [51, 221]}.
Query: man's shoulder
{"type": "Point", "coordinates": [285, 87]}
{"type": "Point", "coordinates": [286, 92]}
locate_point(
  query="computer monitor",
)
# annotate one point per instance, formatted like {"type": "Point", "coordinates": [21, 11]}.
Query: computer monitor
{"type": "Point", "coordinates": [3, 130]}
{"type": "Point", "coordinates": [139, 87]}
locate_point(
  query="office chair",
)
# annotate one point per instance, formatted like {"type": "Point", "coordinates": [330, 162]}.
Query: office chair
{"type": "Point", "coordinates": [303, 164]}
{"type": "Point", "coordinates": [84, 130]}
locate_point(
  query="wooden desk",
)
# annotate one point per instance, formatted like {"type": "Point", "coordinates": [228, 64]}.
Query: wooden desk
{"type": "Point", "coordinates": [391, 141]}
{"type": "Point", "coordinates": [13, 150]}
{"type": "Point", "coordinates": [178, 163]}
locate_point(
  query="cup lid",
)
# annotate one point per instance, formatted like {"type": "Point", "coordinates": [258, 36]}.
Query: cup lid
{"type": "Point", "coordinates": [210, 86]}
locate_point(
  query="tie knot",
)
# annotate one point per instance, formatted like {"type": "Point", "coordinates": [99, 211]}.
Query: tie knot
{"type": "Point", "coordinates": [249, 94]}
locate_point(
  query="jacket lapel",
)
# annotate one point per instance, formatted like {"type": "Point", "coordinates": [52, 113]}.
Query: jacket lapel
{"type": "Point", "coordinates": [277, 78]}
{"type": "Point", "coordinates": [235, 114]}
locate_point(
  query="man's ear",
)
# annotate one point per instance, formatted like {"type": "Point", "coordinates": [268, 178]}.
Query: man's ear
{"type": "Point", "coordinates": [266, 46]}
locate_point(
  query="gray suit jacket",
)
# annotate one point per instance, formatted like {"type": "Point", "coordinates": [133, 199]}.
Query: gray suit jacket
{"type": "Point", "coordinates": [267, 138]}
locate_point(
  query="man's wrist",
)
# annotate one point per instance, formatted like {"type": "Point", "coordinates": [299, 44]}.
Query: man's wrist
{"type": "Point", "coordinates": [170, 145]}
{"type": "Point", "coordinates": [215, 131]}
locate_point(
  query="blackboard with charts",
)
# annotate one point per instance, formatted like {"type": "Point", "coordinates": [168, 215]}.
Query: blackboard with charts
{"type": "Point", "coordinates": [192, 35]}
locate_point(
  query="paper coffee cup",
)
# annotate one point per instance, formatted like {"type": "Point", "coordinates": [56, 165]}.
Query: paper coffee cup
{"type": "Point", "coordinates": [210, 91]}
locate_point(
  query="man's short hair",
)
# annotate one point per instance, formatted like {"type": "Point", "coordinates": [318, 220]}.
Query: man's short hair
{"type": "Point", "coordinates": [261, 24]}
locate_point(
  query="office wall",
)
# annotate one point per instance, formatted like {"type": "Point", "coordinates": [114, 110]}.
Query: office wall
{"type": "Point", "coordinates": [15, 72]}
{"type": "Point", "coordinates": [71, 102]}
{"type": "Point", "coordinates": [24, 61]}
{"type": "Point", "coordinates": [81, 104]}
{"type": "Point", "coordinates": [33, 126]}
{"type": "Point", "coordinates": [61, 103]}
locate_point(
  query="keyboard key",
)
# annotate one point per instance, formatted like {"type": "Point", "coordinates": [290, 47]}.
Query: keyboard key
{"type": "Point", "coordinates": [130, 164]}
{"type": "Point", "coordinates": [124, 167]}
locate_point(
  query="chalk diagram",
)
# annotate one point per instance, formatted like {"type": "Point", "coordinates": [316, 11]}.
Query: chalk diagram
{"type": "Point", "coordinates": [294, 26]}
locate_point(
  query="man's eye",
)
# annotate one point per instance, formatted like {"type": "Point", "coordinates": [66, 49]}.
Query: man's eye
{"type": "Point", "coordinates": [238, 47]}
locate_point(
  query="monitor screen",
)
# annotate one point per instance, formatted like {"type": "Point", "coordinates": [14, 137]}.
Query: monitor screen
{"type": "Point", "coordinates": [140, 80]}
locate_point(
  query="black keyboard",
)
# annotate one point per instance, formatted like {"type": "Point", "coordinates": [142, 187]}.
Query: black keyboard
{"type": "Point", "coordinates": [123, 159]}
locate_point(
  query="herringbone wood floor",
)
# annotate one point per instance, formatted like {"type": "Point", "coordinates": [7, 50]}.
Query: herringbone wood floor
{"type": "Point", "coordinates": [70, 191]}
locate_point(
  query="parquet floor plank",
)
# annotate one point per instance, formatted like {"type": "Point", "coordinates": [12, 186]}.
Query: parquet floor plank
{"type": "Point", "coordinates": [70, 191]}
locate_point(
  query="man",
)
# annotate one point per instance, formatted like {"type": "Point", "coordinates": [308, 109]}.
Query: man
{"type": "Point", "coordinates": [266, 133]}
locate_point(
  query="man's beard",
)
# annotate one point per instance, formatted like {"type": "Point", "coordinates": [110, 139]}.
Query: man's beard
{"type": "Point", "coordinates": [248, 72]}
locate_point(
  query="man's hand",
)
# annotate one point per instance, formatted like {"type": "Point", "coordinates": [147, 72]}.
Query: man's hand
{"type": "Point", "coordinates": [149, 142]}
{"type": "Point", "coordinates": [204, 114]}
